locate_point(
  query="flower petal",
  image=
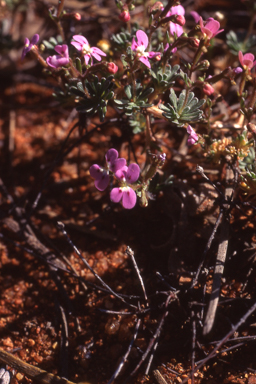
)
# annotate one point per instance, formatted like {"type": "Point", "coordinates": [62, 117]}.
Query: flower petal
{"type": "Point", "coordinates": [98, 51]}
{"type": "Point", "coordinates": [145, 61]}
{"type": "Point", "coordinates": [195, 16]}
{"type": "Point", "coordinates": [35, 39]}
{"type": "Point", "coordinates": [87, 58]}
{"type": "Point", "coordinates": [96, 171]}
{"type": "Point", "coordinates": [96, 56]}
{"type": "Point", "coordinates": [177, 10]}
{"type": "Point", "coordinates": [241, 57]}
{"type": "Point", "coordinates": [111, 155]}
{"type": "Point", "coordinates": [175, 28]}
{"type": "Point", "coordinates": [116, 195]}
{"type": "Point", "coordinates": [62, 50]}
{"type": "Point", "coordinates": [121, 173]}
{"type": "Point", "coordinates": [213, 26]}
{"type": "Point", "coordinates": [133, 173]}
{"type": "Point", "coordinates": [118, 164]}
{"type": "Point", "coordinates": [81, 39]}
{"type": "Point", "coordinates": [102, 184]}
{"type": "Point", "coordinates": [78, 46]}
{"type": "Point", "coordinates": [129, 198]}
{"type": "Point", "coordinates": [142, 38]}
{"type": "Point", "coordinates": [134, 45]}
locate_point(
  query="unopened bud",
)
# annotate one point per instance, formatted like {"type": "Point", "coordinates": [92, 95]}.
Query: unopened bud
{"type": "Point", "coordinates": [158, 6]}
{"type": "Point", "coordinates": [73, 15]}
{"type": "Point", "coordinates": [194, 42]}
{"type": "Point", "coordinates": [180, 20]}
{"type": "Point", "coordinates": [157, 57]}
{"type": "Point", "coordinates": [112, 68]}
{"type": "Point", "coordinates": [208, 89]}
{"type": "Point", "coordinates": [124, 16]}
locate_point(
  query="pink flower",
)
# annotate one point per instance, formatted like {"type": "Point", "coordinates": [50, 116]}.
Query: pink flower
{"type": "Point", "coordinates": [60, 60]}
{"type": "Point", "coordinates": [211, 28]}
{"type": "Point", "coordinates": [193, 138]}
{"type": "Point", "coordinates": [176, 28]}
{"type": "Point", "coordinates": [101, 175]}
{"type": "Point", "coordinates": [247, 60]}
{"type": "Point", "coordinates": [29, 45]}
{"type": "Point", "coordinates": [112, 68]}
{"type": "Point", "coordinates": [124, 16]}
{"type": "Point", "coordinates": [81, 44]}
{"type": "Point", "coordinates": [127, 175]}
{"type": "Point", "coordinates": [208, 89]}
{"type": "Point", "coordinates": [140, 46]}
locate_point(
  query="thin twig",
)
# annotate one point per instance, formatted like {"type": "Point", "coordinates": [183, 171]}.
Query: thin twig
{"type": "Point", "coordinates": [120, 366]}
{"type": "Point", "coordinates": [130, 253]}
{"type": "Point", "coordinates": [62, 228]}
{"type": "Point", "coordinates": [221, 257]}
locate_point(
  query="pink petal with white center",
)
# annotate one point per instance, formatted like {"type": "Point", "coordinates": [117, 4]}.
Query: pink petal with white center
{"type": "Point", "coordinates": [133, 173]}
{"type": "Point", "coordinates": [152, 54]}
{"type": "Point", "coordinates": [81, 39]}
{"type": "Point", "coordinates": [142, 38]}
{"type": "Point", "coordinates": [145, 61]}
{"type": "Point", "coordinates": [129, 198]}
{"type": "Point", "coordinates": [121, 173]}
{"type": "Point", "coordinates": [116, 195]}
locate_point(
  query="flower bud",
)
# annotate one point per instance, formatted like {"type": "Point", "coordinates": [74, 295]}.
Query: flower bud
{"type": "Point", "coordinates": [112, 68]}
{"type": "Point", "coordinates": [194, 42]}
{"type": "Point", "coordinates": [124, 16]}
{"type": "Point", "coordinates": [180, 20]}
{"type": "Point", "coordinates": [158, 6]}
{"type": "Point", "coordinates": [208, 89]}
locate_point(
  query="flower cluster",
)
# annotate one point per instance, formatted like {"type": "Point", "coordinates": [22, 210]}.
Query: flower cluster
{"type": "Point", "coordinates": [124, 175]}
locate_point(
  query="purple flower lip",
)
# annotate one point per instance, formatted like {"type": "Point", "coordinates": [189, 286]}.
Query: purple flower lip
{"type": "Point", "coordinates": [60, 60]}
{"type": "Point", "coordinates": [81, 44]}
{"type": "Point", "coordinates": [28, 45]}
{"type": "Point", "coordinates": [174, 27]}
{"type": "Point", "coordinates": [140, 46]}
{"type": "Point", "coordinates": [101, 175]}
{"type": "Point", "coordinates": [126, 175]}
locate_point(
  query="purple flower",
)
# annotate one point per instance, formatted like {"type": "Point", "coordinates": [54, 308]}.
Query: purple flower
{"type": "Point", "coordinates": [60, 60]}
{"type": "Point", "coordinates": [193, 138]}
{"type": "Point", "coordinates": [211, 27]}
{"type": "Point", "coordinates": [101, 175]}
{"type": "Point", "coordinates": [176, 28]}
{"type": "Point", "coordinates": [127, 175]}
{"type": "Point", "coordinates": [140, 46]}
{"type": "Point", "coordinates": [29, 45]}
{"type": "Point", "coordinates": [81, 44]}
